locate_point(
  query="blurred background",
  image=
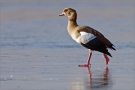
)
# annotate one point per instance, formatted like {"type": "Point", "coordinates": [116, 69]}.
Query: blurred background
{"type": "Point", "coordinates": [31, 22]}
{"type": "Point", "coordinates": [35, 45]}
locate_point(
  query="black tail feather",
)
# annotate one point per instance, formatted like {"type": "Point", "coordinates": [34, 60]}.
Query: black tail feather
{"type": "Point", "coordinates": [112, 47]}
{"type": "Point", "coordinates": [97, 45]}
{"type": "Point", "coordinates": [105, 52]}
{"type": "Point", "coordinates": [108, 54]}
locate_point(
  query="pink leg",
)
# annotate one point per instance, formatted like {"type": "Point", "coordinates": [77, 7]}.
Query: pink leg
{"type": "Point", "coordinates": [88, 61]}
{"type": "Point", "coordinates": [106, 58]}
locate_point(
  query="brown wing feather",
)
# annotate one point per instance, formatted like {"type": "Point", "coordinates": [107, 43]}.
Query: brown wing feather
{"type": "Point", "coordinates": [96, 33]}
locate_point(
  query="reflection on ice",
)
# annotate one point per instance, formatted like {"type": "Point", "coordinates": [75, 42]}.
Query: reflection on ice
{"type": "Point", "coordinates": [95, 80]}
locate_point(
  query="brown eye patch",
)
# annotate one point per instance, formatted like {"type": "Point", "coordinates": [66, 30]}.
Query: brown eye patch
{"type": "Point", "coordinates": [65, 10]}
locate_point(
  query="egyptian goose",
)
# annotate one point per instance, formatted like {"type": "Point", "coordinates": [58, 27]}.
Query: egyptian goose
{"type": "Point", "coordinates": [88, 37]}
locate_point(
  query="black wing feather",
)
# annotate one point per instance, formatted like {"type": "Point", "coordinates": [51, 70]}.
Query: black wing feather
{"type": "Point", "coordinates": [97, 45]}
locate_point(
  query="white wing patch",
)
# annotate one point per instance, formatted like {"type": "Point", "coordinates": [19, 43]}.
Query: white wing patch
{"type": "Point", "coordinates": [85, 37]}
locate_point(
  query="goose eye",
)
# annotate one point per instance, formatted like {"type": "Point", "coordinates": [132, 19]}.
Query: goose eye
{"type": "Point", "coordinates": [65, 10]}
{"type": "Point", "coordinates": [69, 13]}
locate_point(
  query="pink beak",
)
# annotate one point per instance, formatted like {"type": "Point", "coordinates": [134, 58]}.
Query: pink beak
{"type": "Point", "coordinates": [61, 14]}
